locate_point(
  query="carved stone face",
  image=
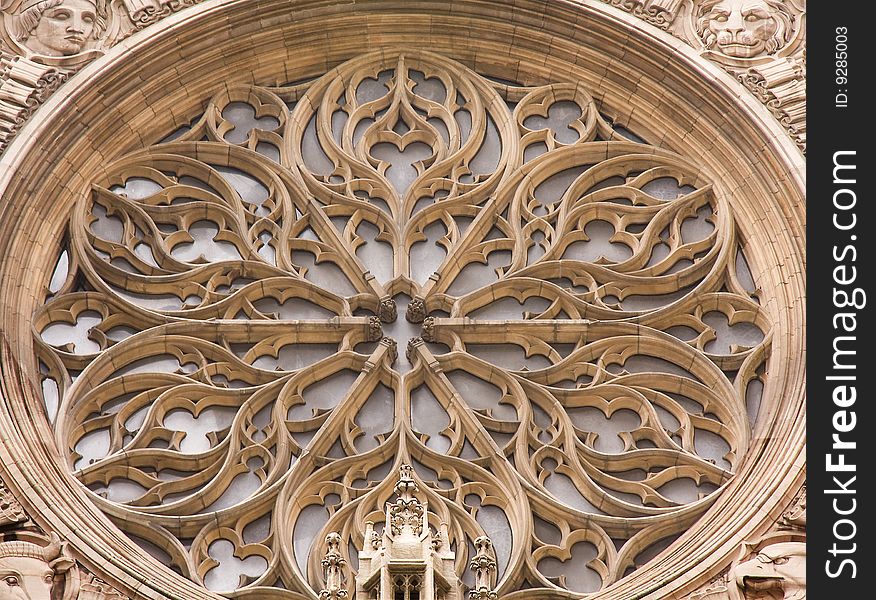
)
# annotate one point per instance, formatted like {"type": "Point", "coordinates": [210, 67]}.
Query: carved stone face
{"type": "Point", "coordinates": [740, 28]}
{"type": "Point", "coordinates": [777, 567]}
{"type": "Point", "coordinates": [24, 578]}
{"type": "Point", "coordinates": [63, 30]}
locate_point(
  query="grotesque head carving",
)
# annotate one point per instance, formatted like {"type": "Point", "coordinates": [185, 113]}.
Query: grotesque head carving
{"type": "Point", "coordinates": [58, 27]}
{"type": "Point", "coordinates": [744, 28]}
{"type": "Point", "coordinates": [778, 567]}
{"type": "Point", "coordinates": [27, 570]}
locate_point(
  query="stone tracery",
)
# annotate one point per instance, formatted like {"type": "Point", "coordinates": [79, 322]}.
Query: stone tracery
{"type": "Point", "coordinates": [228, 278]}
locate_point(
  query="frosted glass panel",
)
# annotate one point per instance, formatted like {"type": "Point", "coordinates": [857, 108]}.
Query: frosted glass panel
{"type": "Point", "coordinates": [295, 356]}
{"type": "Point", "coordinates": [243, 116]}
{"type": "Point", "coordinates": [576, 575]}
{"type": "Point", "coordinates": [107, 227]}
{"type": "Point", "coordinates": [599, 246]}
{"type": "Point", "coordinates": [60, 334]}
{"type": "Point", "coordinates": [377, 255]}
{"type": "Point", "coordinates": [375, 418]}
{"type": "Point", "coordinates": [429, 417]}
{"type": "Point", "coordinates": [565, 490]}
{"type": "Point", "coordinates": [325, 274]}
{"type": "Point", "coordinates": [250, 189]}
{"type": "Point", "coordinates": [323, 394]}
{"type": "Point", "coordinates": [740, 334]}
{"type": "Point", "coordinates": [231, 571]}
{"type": "Point", "coordinates": [559, 118]}
{"type": "Point", "coordinates": [475, 275]}
{"type": "Point", "coordinates": [427, 256]}
{"type": "Point", "coordinates": [197, 429]}
{"type": "Point", "coordinates": [607, 428]}
{"type": "Point", "coordinates": [204, 245]}
{"type": "Point", "coordinates": [753, 399]}
{"type": "Point", "coordinates": [481, 395]}
{"type": "Point", "coordinates": [666, 188]}
{"type": "Point", "coordinates": [308, 524]}
{"type": "Point", "coordinates": [60, 272]}
{"type": "Point", "coordinates": [553, 188]}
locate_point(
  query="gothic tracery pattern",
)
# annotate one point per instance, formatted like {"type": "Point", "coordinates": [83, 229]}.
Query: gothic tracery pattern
{"type": "Point", "coordinates": [581, 336]}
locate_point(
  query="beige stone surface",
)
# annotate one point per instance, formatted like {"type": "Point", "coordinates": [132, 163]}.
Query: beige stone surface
{"type": "Point", "coordinates": [714, 114]}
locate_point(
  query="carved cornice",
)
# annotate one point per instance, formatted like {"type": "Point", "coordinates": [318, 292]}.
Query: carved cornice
{"type": "Point", "coordinates": [24, 86]}
{"type": "Point", "coordinates": [94, 588]}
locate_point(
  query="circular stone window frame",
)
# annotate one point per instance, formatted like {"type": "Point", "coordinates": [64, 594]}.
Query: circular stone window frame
{"type": "Point", "coordinates": [642, 77]}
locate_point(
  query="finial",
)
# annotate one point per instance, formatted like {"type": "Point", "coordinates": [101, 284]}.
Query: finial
{"type": "Point", "coordinates": [483, 565]}
{"type": "Point", "coordinates": [332, 565]}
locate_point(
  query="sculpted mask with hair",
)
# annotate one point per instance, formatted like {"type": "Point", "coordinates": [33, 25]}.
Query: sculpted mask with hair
{"type": "Point", "coordinates": [57, 27]}
{"type": "Point", "coordinates": [743, 28]}
{"type": "Point", "coordinates": [780, 567]}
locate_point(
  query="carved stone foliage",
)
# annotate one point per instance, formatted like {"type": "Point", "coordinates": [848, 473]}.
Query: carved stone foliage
{"type": "Point", "coordinates": [781, 86]}
{"type": "Point", "coordinates": [11, 512]}
{"type": "Point", "coordinates": [43, 42]}
{"type": "Point", "coordinates": [212, 355]}
{"type": "Point", "coordinates": [760, 42]}
{"type": "Point", "coordinates": [794, 516]}
{"type": "Point", "coordinates": [94, 588]}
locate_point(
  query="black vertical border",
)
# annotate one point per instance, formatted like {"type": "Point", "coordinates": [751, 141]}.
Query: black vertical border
{"type": "Point", "coordinates": [832, 128]}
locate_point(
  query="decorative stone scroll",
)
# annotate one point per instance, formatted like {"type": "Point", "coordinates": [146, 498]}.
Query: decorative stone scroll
{"type": "Point", "coordinates": [781, 86]}
{"type": "Point", "coordinates": [220, 336]}
{"type": "Point", "coordinates": [11, 512]}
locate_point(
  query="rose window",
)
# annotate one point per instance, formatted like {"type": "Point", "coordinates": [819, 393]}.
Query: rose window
{"type": "Point", "coordinates": [261, 317]}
